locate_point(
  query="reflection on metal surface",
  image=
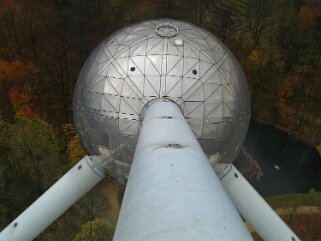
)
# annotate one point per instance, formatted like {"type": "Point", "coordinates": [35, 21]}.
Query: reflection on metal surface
{"type": "Point", "coordinates": [144, 62]}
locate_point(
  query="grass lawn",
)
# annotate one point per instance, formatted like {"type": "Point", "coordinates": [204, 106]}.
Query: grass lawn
{"type": "Point", "coordinates": [306, 199]}
{"type": "Point", "coordinates": [307, 226]}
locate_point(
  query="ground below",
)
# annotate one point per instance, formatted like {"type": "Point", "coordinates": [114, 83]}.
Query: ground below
{"type": "Point", "coordinates": [302, 212]}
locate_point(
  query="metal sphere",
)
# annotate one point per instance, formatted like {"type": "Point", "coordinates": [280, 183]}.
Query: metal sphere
{"type": "Point", "coordinates": [160, 59]}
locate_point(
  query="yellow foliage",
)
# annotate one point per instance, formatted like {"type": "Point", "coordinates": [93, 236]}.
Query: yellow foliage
{"type": "Point", "coordinates": [96, 230]}
{"type": "Point", "coordinates": [319, 148]}
{"type": "Point", "coordinates": [75, 150]}
{"type": "Point", "coordinates": [257, 57]}
{"type": "Point", "coordinates": [69, 130]}
{"type": "Point", "coordinates": [254, 57]}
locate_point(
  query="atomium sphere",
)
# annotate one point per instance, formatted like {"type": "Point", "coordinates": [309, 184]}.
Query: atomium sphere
{"type": "Point", "coordinates": [154, 59]}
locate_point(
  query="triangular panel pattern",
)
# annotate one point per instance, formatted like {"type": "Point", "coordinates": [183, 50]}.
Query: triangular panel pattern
{"type": "Point", "coordinates": [137, 65]}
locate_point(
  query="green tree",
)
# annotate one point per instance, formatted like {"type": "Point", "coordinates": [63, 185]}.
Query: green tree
{"type": "Point", "coordinates": [257, 14]}
{"type": "Point", "coordinates": [93, 205]}
{"type": "Point", "coordinates": [30, 162]}
{"type": "Point", "coordinates": [96, 230]}
{"type": "Point", "coordinates": [319, 148]}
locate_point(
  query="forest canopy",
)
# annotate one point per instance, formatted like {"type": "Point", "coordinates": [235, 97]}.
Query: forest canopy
{"type": "Point", "coordinates": [44, 44]}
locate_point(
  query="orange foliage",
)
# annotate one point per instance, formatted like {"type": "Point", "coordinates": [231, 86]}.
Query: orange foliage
{"type": "Point", "coordinates": [20, 102]}
{"type": "Point", "coordinates": [5, 5]}
{"type": "Point", "coordinates": [15, 73]}
{"type": "Point", "coordinates": [251, 168]}
{"type": "Point", "coordinates": [75, 150]}
{"type": "Point", "coordinates": [11, 70]}
{"type": "Point", "coordinates": [309, 14]}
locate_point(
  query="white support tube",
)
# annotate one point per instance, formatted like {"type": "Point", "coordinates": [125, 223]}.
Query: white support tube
{"type": "Point", "coordinates": [172, 193]}
{"type": "Point", "coordinates": [255, 210]}
{"type": "Point", "coordinates": [53, 203]}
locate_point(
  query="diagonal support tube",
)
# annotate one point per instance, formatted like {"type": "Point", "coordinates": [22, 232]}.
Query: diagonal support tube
{"type": "Point", "coordinates": [172, 193]}
{"type": "Point", "coordinates": [53, 203]}
{"type": "Point", "coordinates": [255, 210]}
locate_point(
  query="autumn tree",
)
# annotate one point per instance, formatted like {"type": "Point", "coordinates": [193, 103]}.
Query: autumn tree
{"type": "Point", "coordinates": [75, 150]}
{"type": "Point", "coordinates": [226, 18]}
{"type": "Point", "coordinates": [13, 87]}
{"type": "Point", "coordinates": [297, 101]}
{"type": "Point", "coordinates": [255, 16]}
{"type": "Point", "coordinates": [200, 8]}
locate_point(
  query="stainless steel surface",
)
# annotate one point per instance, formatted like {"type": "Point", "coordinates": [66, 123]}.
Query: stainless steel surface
{"type": "Point", "coordinates": [160, 59]}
